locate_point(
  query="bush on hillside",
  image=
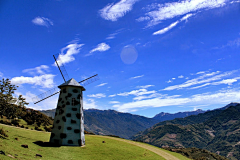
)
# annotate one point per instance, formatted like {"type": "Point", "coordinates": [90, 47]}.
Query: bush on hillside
{"type": "Point", "coordinates": [3, 133]}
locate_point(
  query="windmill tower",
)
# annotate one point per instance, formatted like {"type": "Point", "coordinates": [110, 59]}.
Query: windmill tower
{"type": "Point", "coordinates": [68, 126]}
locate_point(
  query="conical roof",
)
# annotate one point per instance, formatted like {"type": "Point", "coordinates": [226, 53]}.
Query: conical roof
{"type": "Point", "coordinates": [72, 82]}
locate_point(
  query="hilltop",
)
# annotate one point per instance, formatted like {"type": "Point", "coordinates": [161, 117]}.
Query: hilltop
{"type": "Point", "coordinates": [217, 131]}
{"type": "Point", "coordinates": [27, 144]}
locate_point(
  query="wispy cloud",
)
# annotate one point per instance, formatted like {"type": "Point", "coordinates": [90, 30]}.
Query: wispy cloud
{"type": "Point", "coordinates": [46, 80]}
{"type": "Point", "coordinates": [137, 77]}
{"type": "Point", "coordinates": [166, 29]}
{"type": "Point", "coordinates": [138, 92]}
{"type": "Point", "coordinates": [98, 95]}
{"type": "Point", "coordinates": [67, 53]}
{"type": "Point", "coordinates": [225, 81]}
{"type": "Point", "coordinates": [235, 42]}
{"type": "Point", "coordinates": [174, 9]}
{"type": "Point", "coordinates": [181, 76]}
{"type": "Point", "coordinates": [100, 47]}
{"type": "Point", "coordinates": [102, 84]}
{"type": "Point", "coordinates": [114, 102]}
{"type": "Point", "coordinates": [144, 87]}
{"type": "Point", "coordinates": [39, 70]}
{"type": "Point", "coordinates": [205, 78]}
{"type": "Point", "coordinates": [220, 97]}
{"type": "Point", "coordinates": [113, 95]}
{"type": "Point", "coordinates": [42, 21]}
{"type": "Point", "coordinates": [1, 74]}
{"type": "Point", "coordinates": [114, 11]}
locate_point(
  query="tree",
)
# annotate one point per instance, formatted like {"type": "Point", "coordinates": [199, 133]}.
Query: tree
{"type": "Point", "coordinates": [7, 101]}
{"type": "Point", "coordinates": [22, 101]}
{"type": "Point", "coordinates": [6, 90]}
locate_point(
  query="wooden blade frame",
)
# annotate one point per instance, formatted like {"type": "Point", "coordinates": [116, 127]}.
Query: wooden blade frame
{"type": "Point", "coordinates": [89, 80]}
{"type": "Point", "coordinates": [56, 90]}
{"type": "Point", "coordinates": [61, 68]}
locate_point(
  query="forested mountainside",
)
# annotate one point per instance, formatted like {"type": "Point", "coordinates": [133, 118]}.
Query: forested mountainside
{"type": "Point", "coordinates": [217, 131]}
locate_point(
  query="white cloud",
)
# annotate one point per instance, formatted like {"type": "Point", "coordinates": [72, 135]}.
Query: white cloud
{"type": "Point", "coordinates": [1, 74]}
{"type": "Point", "coordinates": [225, 81]}
{"type": "Point", "coordinates": [200, 80]}
{"type": "Point", "coordinates": [174, 9]}
{"type": "Point", "coordinates": [136, 92]}
{"type": "Point", "coordinates": [114, 11]}
{"type": "Point", "coordinates": [46, 80]}
{"type": "Point", "coordinates": [89, 104]}
{"type": "Point", "coordinates": [136, 77]}
{"type": "Point", "coordinates": [113, 95]}
{"type": "Point", "coordinates": [100, 47]}
{"type": "Point", "coordinates": [67, 53]}
{"type": "Point", "coordinates": [220, 97]}
{"type": "Point", "coordinates": [138, 98]}
{"type": "Point", "coordinates": [42, 21]}
{"type": "Point", "coordinates": [235, 42]}
{"type": "Point", "coordinates": [102, 84]}
{"type": "Point", "coordinates": [201, 72]}
{"type": "Point", "coordinates": [140, 19]}
{"type": "Point", "coordinates": [144, 87]}
{"type": "Point", "coordinates": [39, 70]}
{"type": "Point", "coordinates": [181, 76]}
{"type": "Point", "coordinates": [169, 81]}
{"type": "Point", "coordinates": [114, 102]}
{"type": "Point", "coordinates": [98, 95]}
{"type": "Point", "coordinates": [166, 29]}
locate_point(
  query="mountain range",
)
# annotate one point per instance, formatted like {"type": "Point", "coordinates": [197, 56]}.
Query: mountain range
{"type": "Point", "coordinates": [124, 125]}
{"type": "Point", "coordinates": [217, 131]}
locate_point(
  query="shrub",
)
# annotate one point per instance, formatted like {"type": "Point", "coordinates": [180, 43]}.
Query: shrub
{"type": "Point", "coordinates": [3, 133]}
{"type": "Point", "coordinates": [15, 122]}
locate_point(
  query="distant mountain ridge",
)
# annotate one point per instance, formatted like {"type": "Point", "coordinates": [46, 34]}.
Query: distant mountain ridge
{"type": "Point", "coordinates": [217, 131]}
{"type": "Point", "coordinates": [125, 125]}
{"type": "Point", "coordinates": [168, 116]}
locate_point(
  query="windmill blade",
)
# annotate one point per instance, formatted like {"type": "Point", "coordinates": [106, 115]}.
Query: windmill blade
{"type": "Point", "coordinates": [45, 95]}
{"type": "Point", "coordinates": [61, 67]}
{"type": "Point", "coordinates": [89, 80]}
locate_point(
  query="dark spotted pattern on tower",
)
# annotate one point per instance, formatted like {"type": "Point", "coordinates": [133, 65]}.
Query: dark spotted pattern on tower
{"type": "Point", "coordinates": [64, 118]}
{"type": "Point", "coordinates": [76, 131]}
{"type": "Point", "coordinates": [66, 112]}
{"type": "Point", "coordinates": [78, 115]}
{"type": "Point", "coordinates": [75, 91]}
{"type": "Point", "coordinates": [63, 135]}
{"type": "Point", "coordinates": [73, 121]}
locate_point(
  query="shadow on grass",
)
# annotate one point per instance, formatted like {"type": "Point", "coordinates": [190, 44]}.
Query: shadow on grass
{"type": "Point", "coordinates": [46, 144]}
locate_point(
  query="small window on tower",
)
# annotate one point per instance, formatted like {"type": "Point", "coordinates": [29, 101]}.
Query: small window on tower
{"type": "Point", "coordinates": [73, 102]}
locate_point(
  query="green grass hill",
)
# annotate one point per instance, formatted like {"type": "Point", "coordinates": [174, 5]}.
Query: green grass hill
{"type": "Point", "coordinates": [23, 143]}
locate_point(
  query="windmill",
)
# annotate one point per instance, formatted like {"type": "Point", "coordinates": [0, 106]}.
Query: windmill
{"type": "Point", "coordinates": [68, 128]}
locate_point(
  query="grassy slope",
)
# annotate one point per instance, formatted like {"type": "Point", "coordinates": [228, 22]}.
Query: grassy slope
{"type": "Point", "coordinates": [94, 148]}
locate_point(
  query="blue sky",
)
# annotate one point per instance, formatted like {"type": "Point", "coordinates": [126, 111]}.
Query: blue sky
{"type": "Point", "coordinates": [151, 56]}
